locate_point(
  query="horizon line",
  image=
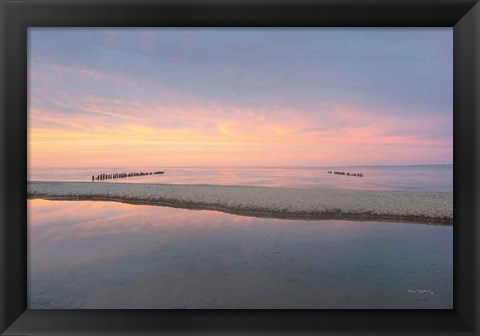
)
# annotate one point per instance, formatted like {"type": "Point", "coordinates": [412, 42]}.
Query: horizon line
{"type": "Point", "coordinates": [326, 166]}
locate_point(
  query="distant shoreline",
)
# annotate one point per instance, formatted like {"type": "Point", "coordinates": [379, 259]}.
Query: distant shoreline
{"type": "Point", "coordinates": [282, 203]}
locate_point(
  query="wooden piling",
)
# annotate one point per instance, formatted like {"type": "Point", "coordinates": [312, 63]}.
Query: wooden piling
{"type": "Point", "coordinates": [112, 176]}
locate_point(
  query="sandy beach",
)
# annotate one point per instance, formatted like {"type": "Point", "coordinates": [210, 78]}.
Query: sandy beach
{"type": "Point", "coordinates": [398, 206]}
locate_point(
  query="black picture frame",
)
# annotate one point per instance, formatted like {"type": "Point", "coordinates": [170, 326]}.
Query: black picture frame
{"type": "Point", "coordinates": [17, 15]}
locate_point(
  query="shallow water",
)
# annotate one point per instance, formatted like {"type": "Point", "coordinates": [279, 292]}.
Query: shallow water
{"type": "Point", "coordinates": [406, 178]}
{"type": "Point", "coordinates": [87, 254]}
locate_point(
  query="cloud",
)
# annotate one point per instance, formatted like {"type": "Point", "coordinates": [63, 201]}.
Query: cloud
{"type": "Point", "coordinates": [190, 99]}
{"type": "Point", "coordinates": [346, 136]}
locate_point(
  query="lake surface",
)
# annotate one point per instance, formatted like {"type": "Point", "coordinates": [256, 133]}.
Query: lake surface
{"type": "Point", "coordinates": [92, 254]}
{"type": "Point", "coordinates": [406, 178]}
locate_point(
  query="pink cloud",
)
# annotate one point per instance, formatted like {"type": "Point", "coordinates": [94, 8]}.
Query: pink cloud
{"type": "Point", "coordinates": [196, 130]}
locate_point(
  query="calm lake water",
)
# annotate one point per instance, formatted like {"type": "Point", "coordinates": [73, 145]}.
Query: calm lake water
{"type": "Point", "coordinates": [86, 254]}
{"type": "Point", "coordinates": [407, 178]}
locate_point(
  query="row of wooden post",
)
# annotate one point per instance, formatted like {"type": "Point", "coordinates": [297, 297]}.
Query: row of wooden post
{"type": "Point", "coordinates": [344, 173]}
{"type": "Point", "coordinates": [104, 177]}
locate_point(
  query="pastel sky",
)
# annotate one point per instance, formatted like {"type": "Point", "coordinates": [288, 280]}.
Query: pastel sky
{"type": "Point", "coordinates": [239, 97]}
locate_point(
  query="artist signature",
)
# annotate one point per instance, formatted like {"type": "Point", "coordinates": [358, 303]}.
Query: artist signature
{"type": "Point", "coordinates": [421, 291]}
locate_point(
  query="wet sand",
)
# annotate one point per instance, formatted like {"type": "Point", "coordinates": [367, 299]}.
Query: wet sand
{"type": "Point", "coordinates": [290, 203]}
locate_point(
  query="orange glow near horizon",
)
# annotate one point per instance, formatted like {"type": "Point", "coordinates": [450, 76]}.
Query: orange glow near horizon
{"type": "Point", "coordinates": [235, 141]}
{"type": "Point", "coordinates": [275, 97]}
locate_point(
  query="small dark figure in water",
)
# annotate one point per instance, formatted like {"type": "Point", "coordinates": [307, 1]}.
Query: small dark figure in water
{"type": "Point", "coordinates": [93, 178]}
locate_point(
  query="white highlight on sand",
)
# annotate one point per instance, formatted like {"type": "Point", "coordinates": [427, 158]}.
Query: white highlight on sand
{"type": "Point", "coordinates": [426, 207]}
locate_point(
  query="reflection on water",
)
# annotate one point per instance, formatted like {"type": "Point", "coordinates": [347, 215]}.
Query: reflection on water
{"type": "Point", "coordinates": [407, 178]}
{"type": "Point", "coordinates": [113, 255]}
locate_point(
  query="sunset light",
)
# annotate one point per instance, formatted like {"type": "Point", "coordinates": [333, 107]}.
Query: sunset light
{"type": "Point", "coordinates": [196, 98]}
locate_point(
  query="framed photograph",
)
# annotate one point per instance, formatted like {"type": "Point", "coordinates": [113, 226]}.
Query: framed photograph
{"type": "Point", "coordinates": [211, 167]}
